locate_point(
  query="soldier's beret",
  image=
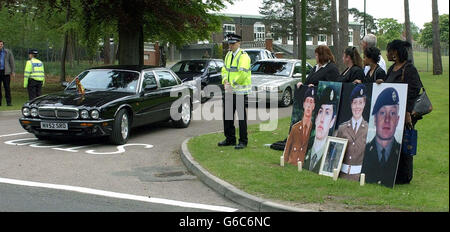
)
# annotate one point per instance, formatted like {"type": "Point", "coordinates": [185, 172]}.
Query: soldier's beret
{"type": "Point", "coordinates": [310, 92]}
{"type": "Point", "coordinates": [358, 91]}
{"type": "Point", "coordinates": [233, 38]}
{"type": "Point", "coordinates": [388, 96]}
{"type": "Point", "coordinates": [328, 97]}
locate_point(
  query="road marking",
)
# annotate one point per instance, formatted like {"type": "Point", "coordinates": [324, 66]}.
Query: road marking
{"type": "Point", "coordinates": [13, 134]}
{"type": "Point", "coordinates": [118, 195]}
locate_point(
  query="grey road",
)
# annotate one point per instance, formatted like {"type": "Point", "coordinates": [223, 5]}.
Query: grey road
{"type": "Point", "coordinates": [147, 166]}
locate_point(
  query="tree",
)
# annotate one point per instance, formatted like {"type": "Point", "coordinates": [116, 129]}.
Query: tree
{"type": "Point", "coordinates": [343, 31]}
{"type": "Point", "coordinates": [388, 29]}
{"type": "Point", "coordinates": [371, 24]}
{"type": "Point", "coordinates": [426, 34]}
{"type": "Point", "coordinates": [408, 33]}
{"type": "Point", "coordinates": [437, 60]}
{"type": "Point", "coordinates": [334, 28]}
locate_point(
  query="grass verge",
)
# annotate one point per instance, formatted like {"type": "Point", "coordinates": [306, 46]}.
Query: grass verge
{"type": "Point", "coordinates": [256, 169]}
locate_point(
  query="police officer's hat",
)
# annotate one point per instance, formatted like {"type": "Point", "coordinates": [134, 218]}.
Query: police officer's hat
{"type": "Point", "coordinates": [310, 92]}
{"type": "Point", "coordinates": [33, 51]}
{"type": "Point", "coordinates": [388, 96]}
{"type": "Point", "coordinates": [233, 38]}
{"type": "Point", "coordinates": [358, 91]}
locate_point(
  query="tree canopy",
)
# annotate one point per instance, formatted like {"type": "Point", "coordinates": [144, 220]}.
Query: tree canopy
{"type": "Point", "coordinates": [426, 37]}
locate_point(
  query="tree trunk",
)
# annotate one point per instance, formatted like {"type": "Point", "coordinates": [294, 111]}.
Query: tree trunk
{"type": "Point", "coordinates": [106, 50]}
{"type": "Point", "coordinates": [334, 29]}
{"type": "Point", "coordinates": [437, 61]}
{"type": "Point", "coordinates": [298, 21]}
{"type": "Point", "coordinates": [131, 42]}
{"type": "Point", "coordinates": [343, 32]}
{"type": "Point", "coordinates": [408, 30]}
{"type": "Point", "coordinates": [62, 78]}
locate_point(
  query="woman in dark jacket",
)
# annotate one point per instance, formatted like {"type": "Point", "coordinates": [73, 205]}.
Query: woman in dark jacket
{"type": "Point", "coordinates": [353, 61]}
{"type": "Point", "coordinates": [325, 69]}
{"type": "Point", "coordinates": [371, 59]}
{"type": "Point", "coordinates": [402, 71]}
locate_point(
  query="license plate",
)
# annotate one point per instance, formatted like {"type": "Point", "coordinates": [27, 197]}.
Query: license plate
{"type": "Point", "coordinates": [54, 125]}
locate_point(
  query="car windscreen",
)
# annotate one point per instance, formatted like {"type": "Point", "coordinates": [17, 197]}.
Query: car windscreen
{"type": "Point", "coordinates": [254, 56]}
{"type": "Point", "coordinates": [189, 67]}
{"type": "Point", "coordinates": [272, 68]}
{"type": "Point", "coordinates": [113, 80]}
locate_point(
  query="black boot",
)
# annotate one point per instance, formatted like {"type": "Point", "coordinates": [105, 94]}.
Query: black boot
{"type": "Point", "coordinates": [226, 143]}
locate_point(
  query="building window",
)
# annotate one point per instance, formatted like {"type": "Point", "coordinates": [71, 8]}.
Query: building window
{"type": "Point", "coordinates": [229, 28]}
{"type": "Point", "coordinates": [350, 37]}
{"type": "Point", "coordinates": [309, 40]}
{"type": "Point", "coordinates": [259, 31]}
{"type": "Point", "coordinates": [322, 39]}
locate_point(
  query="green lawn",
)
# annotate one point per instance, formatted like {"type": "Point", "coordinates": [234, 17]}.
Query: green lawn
{"type": "Point", "coordinates": [256, 169]}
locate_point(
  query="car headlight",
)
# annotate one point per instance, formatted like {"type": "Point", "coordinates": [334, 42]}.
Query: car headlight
{"type": "Point", "coordinates": [271, 88]}
{"type": "Point", "coordinates": [26, 111]}
{"type": "Point", "coordinates": [95, 114]}
{"type": "Point", "coordinates": [84, 114]}
{"type": "Point", "coordinates": [34, 112]}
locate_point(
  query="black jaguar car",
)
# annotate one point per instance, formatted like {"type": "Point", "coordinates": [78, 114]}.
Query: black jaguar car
{"type": "Point", "coordinates": [205, 71]}
{"type": "Point", "coordinates": [115, 99]}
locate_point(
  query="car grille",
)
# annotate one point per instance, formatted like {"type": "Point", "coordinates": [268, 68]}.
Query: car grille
{"type": "Point", "coordinates": [58, 113]}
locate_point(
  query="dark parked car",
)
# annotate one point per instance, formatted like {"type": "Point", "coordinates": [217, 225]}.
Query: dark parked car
{"type": "Point", "coordinates": [116, 99]}
{"type": "Point", "coordinates": [205, 71]}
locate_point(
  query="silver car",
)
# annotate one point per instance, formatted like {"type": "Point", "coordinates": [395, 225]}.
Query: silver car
{"type": "Point", "coordinates": [277, 77]}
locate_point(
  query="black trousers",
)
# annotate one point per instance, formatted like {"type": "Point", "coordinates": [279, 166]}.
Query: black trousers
{"type": "Point", "coordinates": [231, 104]}
{"type": "Point", "coordinates": [5, 80]}
{"type": "Point", "coordinates": [34, 88]}
{"type": "Point", "coordinates": [405, 166]}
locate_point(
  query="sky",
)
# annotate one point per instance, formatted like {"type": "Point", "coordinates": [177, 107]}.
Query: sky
{"type": "Point", "coordinates": [419, 10]}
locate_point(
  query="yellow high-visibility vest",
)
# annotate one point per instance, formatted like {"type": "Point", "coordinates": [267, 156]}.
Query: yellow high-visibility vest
{"type": "Point", "coordinates": [237, 72]}
{"type": "Point", "coordinates": [34, 69]}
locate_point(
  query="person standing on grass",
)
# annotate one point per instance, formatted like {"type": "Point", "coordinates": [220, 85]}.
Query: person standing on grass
{"type": "Point", "coordinates": [7, 67]}
{"type": "Point", "coordinates": [34, 77]}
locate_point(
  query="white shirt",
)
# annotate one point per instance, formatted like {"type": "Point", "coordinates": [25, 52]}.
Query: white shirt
{"type": "Point", "coordinates": [359, 121]}
{"type": "Point", "coordinates": [236, 52]}
{"type": "Point", "coordinates": [381, 63]}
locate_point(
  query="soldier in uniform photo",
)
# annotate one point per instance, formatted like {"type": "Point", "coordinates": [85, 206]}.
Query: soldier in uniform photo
{"type": "Point", "coordinates": [297, 142]}
{"type": "Point", "coordinates": [355, 130]}
{"type": "Point", "coordinates": [325, 119]}
{"type": "Point", "coordinates": [382, 153]}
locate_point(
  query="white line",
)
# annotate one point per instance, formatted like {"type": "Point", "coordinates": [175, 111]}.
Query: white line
{"type": "Point", "coordinates": [118, 195]}
{"type": "Point", "coordinates": [13, 134]}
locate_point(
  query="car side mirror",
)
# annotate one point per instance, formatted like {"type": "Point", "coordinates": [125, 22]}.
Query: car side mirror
{"type": "Point", "coordinates": [297, 75]}
{"type": "Point", "coordinates": [150, 87]}
{"type": "Point", "coordinates": [212, 70]}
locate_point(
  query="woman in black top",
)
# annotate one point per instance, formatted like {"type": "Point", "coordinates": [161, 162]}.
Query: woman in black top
{"type": "Point", "coordinates": [325, 70]}
{"type": "Point", "coordinates": [402, 71]}
{"type": "Point", "coordinates": [353, 61]}
{"type": "Point", "coordinates": [371, 58]}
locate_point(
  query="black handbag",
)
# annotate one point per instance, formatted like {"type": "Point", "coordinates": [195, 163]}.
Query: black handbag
{"type": "Point", "coordinates": [422, 104]}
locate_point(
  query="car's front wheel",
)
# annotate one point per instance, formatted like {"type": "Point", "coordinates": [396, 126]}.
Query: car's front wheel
{"type": "Point", "coordinates": [185, 114]}
{"type": "Point", "coordinates": [286, 98]}
{"type": "Point", "coordinates": [121, 128]}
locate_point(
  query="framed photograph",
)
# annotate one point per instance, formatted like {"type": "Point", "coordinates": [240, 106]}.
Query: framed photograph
{"type": "Point", "coordinates": [333, 155]}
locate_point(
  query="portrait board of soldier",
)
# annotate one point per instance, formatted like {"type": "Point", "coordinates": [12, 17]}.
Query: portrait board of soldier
{"type": "Point", "coordinates": [326, 111]}
{"type": "Point", "coordinates": [353, 123]}
{"type": "Point", "coordinates": [384, 136]}
{"type": "Point", "coordinates": [301, 126]}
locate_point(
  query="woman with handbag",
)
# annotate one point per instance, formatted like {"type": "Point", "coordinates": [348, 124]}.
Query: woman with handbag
{"type": "Point", "coordinates": [403, 71]}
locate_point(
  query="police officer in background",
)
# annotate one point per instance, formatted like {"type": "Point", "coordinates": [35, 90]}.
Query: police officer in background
{"type": "Point", "coordinates": [236, 78]}
{"type": "Point", "coordinates": [34, 77]}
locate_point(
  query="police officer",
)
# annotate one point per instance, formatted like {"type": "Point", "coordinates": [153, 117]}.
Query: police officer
{"type": "Point", "coordinates": [34, 77]}
{"type": "Point", "coordinates": [382, 153]}
{"type": "Point", "coordinates": [355, 130]}
{"type": "Point", "coordinates": [297, 142]}
{"type": "Point", "coordinates": [236, 78]}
